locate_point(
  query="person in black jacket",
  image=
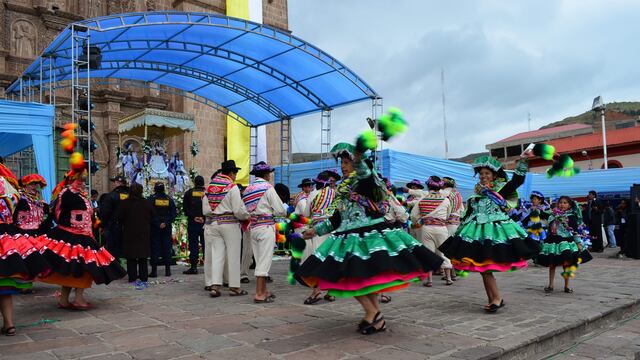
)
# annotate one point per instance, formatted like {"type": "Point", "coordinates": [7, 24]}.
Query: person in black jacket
{"type": "Point", "coordinates": [109, 216]}
{"type": "Point", "coordinates": [135, 215]}
{"type": "Point", "coordinates": [192, 207]}
{"type": "Point", "coordinates": [165, 214]}
{"type": "Point", "coordinates": [593, 219]}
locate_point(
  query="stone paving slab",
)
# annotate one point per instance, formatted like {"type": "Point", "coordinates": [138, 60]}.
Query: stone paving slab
{"type": "Point", "coordinates": [176, 319]}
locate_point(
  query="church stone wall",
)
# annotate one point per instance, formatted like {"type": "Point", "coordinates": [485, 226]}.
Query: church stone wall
{"type": "Point", "coordinates": [28, 26]}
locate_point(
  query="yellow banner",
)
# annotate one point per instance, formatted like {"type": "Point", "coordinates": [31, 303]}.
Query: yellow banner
{"type": "Point", "coordinates": [238, 135]}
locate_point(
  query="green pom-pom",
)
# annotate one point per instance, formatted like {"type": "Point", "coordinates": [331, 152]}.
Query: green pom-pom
{"type": "Point", "coordinates": [290, 279]}
{"type": "Point", "coordinates": [545, 151]}
{"type": "Point", "coordinates": [462, 273]}
{"type": "Point", "coordinates": [391, 124]}
{"type": "Point", "coordinates": [298, 245]}
{"type": "Point", "coordinates": [564, 167]}
{"type": "Point", "coordinates": [367, 141]}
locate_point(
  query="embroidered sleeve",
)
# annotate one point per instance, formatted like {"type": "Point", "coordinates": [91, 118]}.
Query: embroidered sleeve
{"type": "Point", "coordinates": [522, 167]}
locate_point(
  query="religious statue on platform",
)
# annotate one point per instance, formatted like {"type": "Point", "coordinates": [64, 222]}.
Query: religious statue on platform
{"type": "Point", "coordinates": [157, 162]}
{"type": "Point", "coordinates": [128, 162]}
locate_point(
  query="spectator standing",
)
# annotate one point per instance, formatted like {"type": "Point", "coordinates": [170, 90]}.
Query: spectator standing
{"type": "Point", "coordinates": [593, 219]}
{"type": "Point", "coordinates": [135, 216]}
{"type": "Point", "coordinates": [609, 222]}
{"type": "Point", "coordinates": [192, 207]}
{"type": "Point", "coordinates": [165, 214]}
{"type": "Point", "coordinates": [109, 216]}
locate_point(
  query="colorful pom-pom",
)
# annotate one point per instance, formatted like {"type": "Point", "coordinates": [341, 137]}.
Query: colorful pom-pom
{"type": "Point", "coordinates": [67, 145]}
{"type": "Point", "coordinates": [298, 245]}
{"type": "Point", "coordinates": [391, 123]}
{"type": "Point", "coordinates": [77, 162]}
{"type": "Point", "coordinates": [70, 126]}
{"type": "Point", "coordinates": [299, 219]}
{"type": "Point", "coordinates": [367, 141]}
{"type": "Point", "coordinates": [563, 167]}
{"type": "Point", "coordinates": [545, 151]}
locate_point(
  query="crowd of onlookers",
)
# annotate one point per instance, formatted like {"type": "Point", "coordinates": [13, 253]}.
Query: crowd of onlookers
{"type": "Point", "coordinates": [607, 221]}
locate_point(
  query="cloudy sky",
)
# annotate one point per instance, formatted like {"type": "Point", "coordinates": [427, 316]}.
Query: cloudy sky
{"type": "Point", "coordinates": [502, 60]}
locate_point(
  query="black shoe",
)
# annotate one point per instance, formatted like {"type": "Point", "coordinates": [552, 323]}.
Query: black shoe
{"type": "Point", "coordinates": [245, 280]}
{"type": "Point", "coordinates": [154, 272]}
{"type": "Point", "coordinates": [191, 271]}
{"type": "Point", "coordinates": [225, 284]}
{"type": "Point", "coordinates": [167, 271]}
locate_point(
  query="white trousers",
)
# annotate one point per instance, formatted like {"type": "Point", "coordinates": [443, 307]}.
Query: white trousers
{"type": "Point", "coordinates": [452, 229]}
{"type": "Point", "coordinates": [432, 237]}
{"type": "Point", "coordinates": [222, 247]}
{"type": "Point", "coordinates": [312, 246]}
{"type": "Point", "coordinates": [247, 254]}
{"type": "Point", "coordinates": [263, 240]}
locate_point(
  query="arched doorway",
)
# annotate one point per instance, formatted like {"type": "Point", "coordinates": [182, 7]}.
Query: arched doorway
{"type": "Point", "coordinates": [613, 164]}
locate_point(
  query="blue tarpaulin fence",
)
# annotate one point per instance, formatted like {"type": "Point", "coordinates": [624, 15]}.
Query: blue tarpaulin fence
{"type": "Point", "coordinates": [402, 167]}
{"type": "Point", "coordinates": [29, 124]}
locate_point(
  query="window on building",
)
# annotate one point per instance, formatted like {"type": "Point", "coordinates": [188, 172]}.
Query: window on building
{"type": "Point", "coordinates": [514, 150]}
{"type": "Point", "coordinates": [624, 125]}
{"type": "Point", "coordinates": [499, 153]}
{"type": "Point", "coordinates": [22, 163]}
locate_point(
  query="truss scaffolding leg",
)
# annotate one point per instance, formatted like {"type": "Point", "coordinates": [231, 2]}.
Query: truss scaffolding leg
{"type": "Point", "coordinates": [325, 137]}
{"type": "Point", "coordinates": [376, 112]}
{"type": "Point", "coordinates": [81, 94]}
{"type": "Point", "coordinates": [285, 151]}
{"type": "Point", "coordinates": [253, 146]}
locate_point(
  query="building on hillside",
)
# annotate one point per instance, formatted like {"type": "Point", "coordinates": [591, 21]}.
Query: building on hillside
{"type": "Point", "coordinates": [582, 141]}
{"type": "Point", "coordinates": [623, 150]}
{"type": "Point", "coordinates": [510, 148]}
{"type": "Point", "coordinates": [28, 26]}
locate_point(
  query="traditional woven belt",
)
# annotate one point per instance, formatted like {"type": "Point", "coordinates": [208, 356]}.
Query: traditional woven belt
{"type": "Point", "coordinates": [261, 220]}
{"type": "Point", "coordinates": [428, 221]}
{"type": "Point", "coordinates": [453, 220]}
{"type": "Point", "coordinates": [222, 219]}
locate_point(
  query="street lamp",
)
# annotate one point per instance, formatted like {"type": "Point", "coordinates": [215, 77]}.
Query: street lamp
{"type": "Point", "coordinates": [598, 105]}
{"type": "Point", "coordinates": [585, 154]}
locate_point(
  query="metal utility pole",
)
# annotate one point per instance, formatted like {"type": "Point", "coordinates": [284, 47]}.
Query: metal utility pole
{"type": "Point", "coordinates": [444, 116]}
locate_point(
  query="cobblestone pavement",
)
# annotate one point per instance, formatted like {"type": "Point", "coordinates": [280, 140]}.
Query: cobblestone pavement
{"type": "Point", "coordinates": [176, 319]}
{"type": "Point", "coordinates": [620, 340]}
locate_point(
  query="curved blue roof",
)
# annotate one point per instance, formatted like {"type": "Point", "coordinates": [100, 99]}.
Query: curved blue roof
{"type": "Point", "coordinates": [261, 73]}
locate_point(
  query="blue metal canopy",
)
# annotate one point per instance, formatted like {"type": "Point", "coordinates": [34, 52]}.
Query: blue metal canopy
{"type": "Point", "coordinates": [261, 73]}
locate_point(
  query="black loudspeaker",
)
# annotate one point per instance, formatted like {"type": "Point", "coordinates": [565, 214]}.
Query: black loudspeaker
{"type": "Point", "coordinates": [632, 237]}
{"type": "Point", "coordinates": [634, 193]}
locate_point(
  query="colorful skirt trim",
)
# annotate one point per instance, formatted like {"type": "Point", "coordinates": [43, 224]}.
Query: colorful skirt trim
{"type": "Point", "coordinates": [74, 255]}
{"type": "Point", "coordinates": [353, 265]}
{"type": "Point", "coordinates": [20, 257]}
{"type": "Point", "coordinates": [13, 285]}
{"type": "Point", "coordinates": [495, 246]}
{"type": "Point", "coordinates": [558, 251]}
{"type": "Point", "coordinates": [470, 266]}
{"type": "Point", "coordinates": [374, 289]}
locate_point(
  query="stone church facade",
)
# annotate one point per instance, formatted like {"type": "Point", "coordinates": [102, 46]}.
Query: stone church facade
{"type": "Point", "coordinates": [28, 26]}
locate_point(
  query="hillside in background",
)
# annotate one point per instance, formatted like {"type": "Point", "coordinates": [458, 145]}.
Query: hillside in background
{"type": "Point", "coordinates": [615, 111]}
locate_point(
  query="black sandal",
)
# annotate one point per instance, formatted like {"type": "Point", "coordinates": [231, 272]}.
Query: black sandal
{"type": "Point", "coordinates": [329, 298]}
{"type": "Point", "coordinates": [208, 288]}
{"type": "Point", "coordinates": [266, 300]}
{"type": "Point", "coordinates": [371, 329]}
{"type": "Point", "coordinates": [237, 292]}
{"type": "Point", "coordinates": [385, 299]}
{"type": "Point", "coordinates": [548, 289]}
{"type": "Point", "coordinates": [10, 331]}
{"type": "Point", "coordinates": [365, 324]}
{"type": "Point", "coordinates": [493, 308]}
{"type": "Point", "coordinates": [215, 293]}
{"type": "Point", "coordinates": [312, 299]}
{"type": "Point", "coordinates": [568, 290]}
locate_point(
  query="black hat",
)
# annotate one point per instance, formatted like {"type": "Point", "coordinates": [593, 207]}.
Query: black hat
{"type": "Point", "coordinates": [334, 174]}
{"type": "Point", "coordinates": [261, 167]}
{"type": "Point", "coordinates": [119, 178]}
{"type": "Point", "coordinates": [198, 181]}
{"type": "Point", "coordinates": [306, 182]}
{"type": "Point", "coordinates": [229, 165]}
